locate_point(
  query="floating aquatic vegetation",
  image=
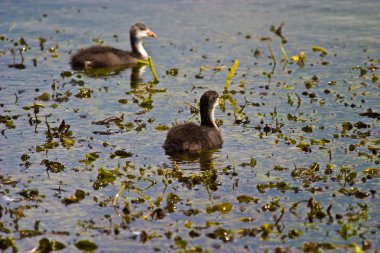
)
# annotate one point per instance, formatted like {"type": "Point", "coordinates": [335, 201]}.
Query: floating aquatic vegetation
{"type": "Point", "coordinates": [8, 121]}
{"type": "Point", "coordinates": [161, 128]}
{"type": "Point", "coordinates": [62, 133]}
{"type": "Point", "coordinates": [300, 59]}
{"type": "Point", "coordinates": [309, 84]}
{"type": "Point", "coordinates": [54, 167]}
{"type": "Point", "coordinates": [123, 101]}
{"type": "Point", "coordinates": [45, 245]}
{"type": "Point", "coordinates": [129, 185]}
{"type": "Point", "coordinates": [247, 199]}
{"type": "Point", "coordinates": [15, 65]}
{"type": "Point", "coordinates": [107, 122]}
{"type": "Point", "coordinates": [84, 93]}
{"type": "Point", "coordinates": [8, 243]}
{"type": "Point", "coordinates": [42, 42]}
{"type": "Point", "coordinates": [371, 114]}
{"type": "Point", "coordinates": [31, 194]}
{"type": "Point", "coordinates": [104, 178]}
{"type": "Point", "coordinates": [172, 72]}
{"type": "Point", "coordinates": [7, 181]}
{"type": "Point", "coordinates": [78, 196]}
{"type": "Point", "coordinates": [322, 50]}
{"type": "Point", "coordinates": [373, 172]}
{"type": "Point", "coordinates": [281, 186]}
{"type": "Point", "coordinates": [86, 246]}
{"type": "Point", "coordinates": [121, 154]}
{"type": "Point", "coordinates": [278, 32]}
{"type": "Point", "coordinates": [90, 158]}
{"type": "Point", "coordinates": [44, 97]}
{"type": "Point", "coordinates": [222, 208]}
{"type": "Point", "coordinates": [222, 234]}
{"type": "Point", "coordinates": [66, 73]}
{"type": "Point", "coordinates": [231, 74]}
{"type": "Point", "coordinates": [252, 163]}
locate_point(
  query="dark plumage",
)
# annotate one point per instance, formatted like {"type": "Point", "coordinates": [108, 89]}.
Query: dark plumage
{"type": "Point", "coordinates": [105, 56]}
{"type": "Point", "coordinates": [193, 137]}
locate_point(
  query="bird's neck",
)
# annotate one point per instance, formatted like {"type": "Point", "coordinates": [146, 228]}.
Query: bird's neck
{"type": "Point", "coordinates": [138, 48]}
{"type": "Point", "coordinates": [207, 117]}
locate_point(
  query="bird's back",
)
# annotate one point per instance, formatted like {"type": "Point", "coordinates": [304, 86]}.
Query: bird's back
{"type": "Point", "coordinates": [101, 56]}
{"type": "Point", "coordinates": [192, 137]}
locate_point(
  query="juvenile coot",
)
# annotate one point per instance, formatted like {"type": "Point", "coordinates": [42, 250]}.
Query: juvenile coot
{"type": "Point", "coordinates": [193, 137]}
{"type": "Point", "coordinates": [105, 56]}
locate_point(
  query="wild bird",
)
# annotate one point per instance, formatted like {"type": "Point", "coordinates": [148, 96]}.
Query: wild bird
{"type": "Point", "coordinates": [192, 137]}
{"type": "Point", "coordinates": [106, 56]}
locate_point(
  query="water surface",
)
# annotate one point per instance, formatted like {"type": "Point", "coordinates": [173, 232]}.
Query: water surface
{"type": "Point", "coordinates": [269, 201]}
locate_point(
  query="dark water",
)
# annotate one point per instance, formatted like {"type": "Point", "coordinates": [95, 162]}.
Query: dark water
{"type": "Point", "coordinates": [337, 207]}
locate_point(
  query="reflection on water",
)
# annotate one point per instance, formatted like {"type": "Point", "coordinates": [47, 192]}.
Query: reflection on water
{"type": "Point", "coordinates": [136, 78]}
{"type": "Point", "coordinates": [103, 72]}
{"type": "Point", "coordinates": [204, 171]}
{"type": "Point", "coordinates": [205, 158]}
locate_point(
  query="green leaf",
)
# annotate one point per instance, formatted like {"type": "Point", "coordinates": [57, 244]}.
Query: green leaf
{"type": "Point", "coordinates": [44, 97]}
{"type": "Point", "coordinates": [222, 234]}
{"type": "Point", "coordinates": [247, 199]}
{"type": "Point", "coordinates": [319, 49]}
{"type": "Point", "coordinates": [79, 195]}
{"type": "Point", "coordinates": [8, 242]}
{"type": "Point", "coordinates": [86, 245]}
{"type": "Point", "coordinates": [374, 172]}
{"type": "Point", "coordinates": [90, 157]}
{"type": "Point", "coordinates": [106, 175]}
{"type": "Point", "coordinates": [161, 128]}
{"type": "Point", "coordinates": [252, 163]}
{"type": "Point", "coordinates": [83, 93]}
{"type": "Point", "coordinates": [45, 246]}
{"type": "Point", "coordinates": [222, 208]}
{"type": "Point", "coordinates": [122, 154]}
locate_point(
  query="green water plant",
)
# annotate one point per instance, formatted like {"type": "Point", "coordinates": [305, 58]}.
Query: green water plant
{"type": "Point", "coordinates": [128, 185]}
{"type": "Point", "coordinates": [149, 62]}
{"type": "Point", "coordinates": [231, 73]}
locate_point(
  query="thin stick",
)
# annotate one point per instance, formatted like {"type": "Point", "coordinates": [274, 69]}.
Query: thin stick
{"type": "Point", "coordinates": [272, 55]}
{"type": "Point", "coordinates": [144, 196]}
{"type": "Point", "coordinates": [279, 218]}
{"type": "Point", "coordinates": [123, 186]}
{"type": "Point", "coordinates": [284, 53]}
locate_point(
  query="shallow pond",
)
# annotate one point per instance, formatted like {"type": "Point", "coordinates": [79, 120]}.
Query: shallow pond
{"type": "Point", "coordinates": [299, 169]}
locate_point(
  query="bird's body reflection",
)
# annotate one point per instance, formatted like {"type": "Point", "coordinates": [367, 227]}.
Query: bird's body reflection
{"type": "Point", "coordinates": [136, 77]}
{"type": "Point", "coordinates": [205, 174]}
{"type": "Point", "coordinates": [205, 158]}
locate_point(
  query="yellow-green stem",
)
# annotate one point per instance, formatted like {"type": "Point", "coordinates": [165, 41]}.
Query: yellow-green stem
{"type": "Point", "coordinates": [151, 66]}
{"type": "Point", "coordinates": [231, 74]}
